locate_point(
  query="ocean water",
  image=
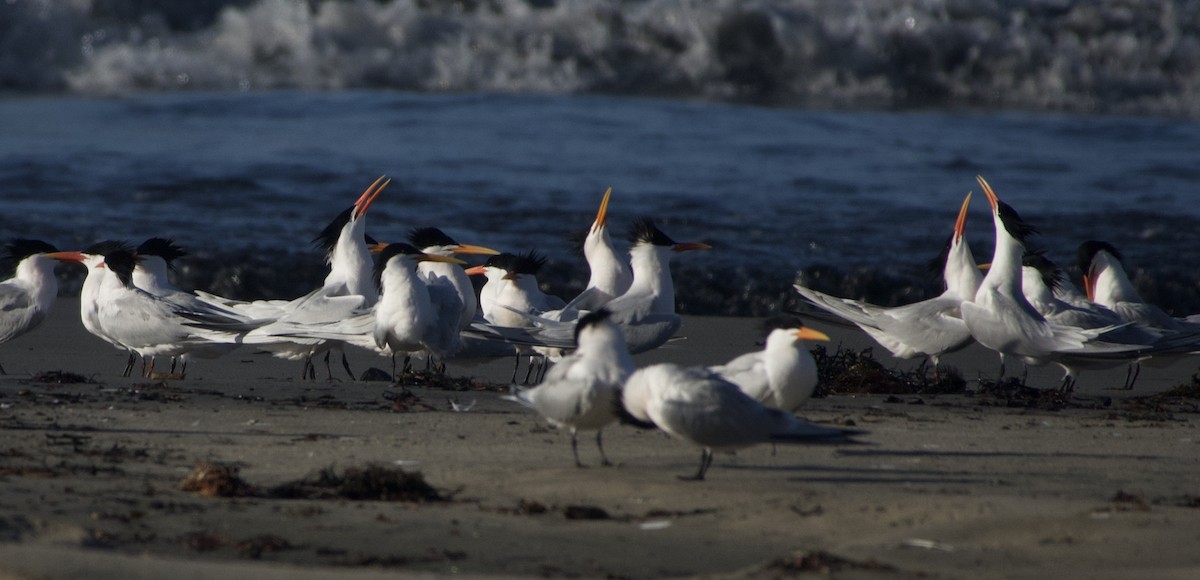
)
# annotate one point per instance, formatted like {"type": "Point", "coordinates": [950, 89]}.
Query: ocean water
{"type": "Point", "coordinates": [852, 202]}
{"type": "Point", "coordinates": [829, 141]}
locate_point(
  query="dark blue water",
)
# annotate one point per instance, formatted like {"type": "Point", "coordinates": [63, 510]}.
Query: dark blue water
{"type": "Point", "coordinates": [860, 199]}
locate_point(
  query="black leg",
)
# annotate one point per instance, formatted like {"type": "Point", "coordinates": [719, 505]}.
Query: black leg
{"type": "Point", "coordinates": [529, 369]}
{"type": "Point", "coordinates": [1136, 370]}
{"type": "Point", "coordinates": [575, 449]}
{"type": "Point", "coordinates": [2, 371]}
{"type": "Point", "coordinates": [600, 445]}
{"type": "Point", "coordinates": [516, 367]}
{"type": "Point", "coordinates": [129, 365]}
{"type": "Point", "coordinates": [706, 458]}
{"type": "Point", "coordinates": [328, 368]}
{"type": "Point", "coordinates": [174, 359]}
{"type": "Point", "coordinates": [346, 365]}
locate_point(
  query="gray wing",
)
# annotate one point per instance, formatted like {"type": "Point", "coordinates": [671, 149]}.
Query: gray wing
{"type": "Point", "coordinates": [18, 313]}
{"type": "Point", "coordinates": [443, 338]}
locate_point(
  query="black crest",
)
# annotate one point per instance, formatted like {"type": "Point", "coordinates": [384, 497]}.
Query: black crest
{"type": "Point", "coordinates": [164, 248]}
{"type": "Point", "coordinates": [122, 263]}
{"type": "Point", "coordinates": [590, 319]}
{"type": "Point", "coordinates": [528, 263]}
{"type": "Point", "coordinates": [327, 239]}
{"type": "Point", "coordinates": [645, 232]}
{"type": "Point", "coordinates": [16, 250]}
{"type": "Point", "coordinates": [107, 247]}
{"type": "Point", "coordinates": [19, 249]}
{"type": "Point", "coordinates": [391, 251]}
{"type": "Point", "coordinates": [1088, 250]}
{"type": "Point", "coordinates": [1012, 221]}
{"type": "Point", "coordinates": [430, 237]}
{"type": "Point", "coordinates": [937, 266]}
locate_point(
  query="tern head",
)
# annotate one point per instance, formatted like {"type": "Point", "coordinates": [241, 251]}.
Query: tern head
{"type": "Point", "coordinates": [409, 253]}
{"type": "Point", "coordinates": [591, 320]}
{"type": "Point", "coordinates": [327, 240]}
{"type": "Point", "coordinates": [435, 241]}
{"type": "Point", "coordinates": [121, 263]}
{"type": "Point", "coordinates": [1051, 275]}
{"type": "Point", "coordinates": [19, 249]}
{"type": "Point", "coordinates": [645, 232]}
{"type": "Point", "coordinates": [1091, 257]}
{"type": "Point", "coordinates": [1011, 220]}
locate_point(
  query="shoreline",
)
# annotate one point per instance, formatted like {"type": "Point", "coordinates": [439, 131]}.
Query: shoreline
{"type": "Point", "coordinates": [947, 487]}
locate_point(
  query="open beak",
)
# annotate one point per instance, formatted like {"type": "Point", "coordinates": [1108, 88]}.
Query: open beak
{"type": "Point", "coordinates": [472, 249]}
{"type": "Point", "coordinates": [76, 257]}
{"type": "Point", "coordinates": [960, 226]}
{"type": "Point", "coordinates": [437, 258]}
{"type": "Point", "coordinates": [987, 190]}
{"type": "Point", "coordinates": [377, 247]}
{"type": "Point", "coordinates": [368, 197]}
{"type": "Point", "coordinates": [602, 215]}
{"type": "Point", "coordinates": [805, 333]}
{"type": "Point", "coordinates": [475, 271]}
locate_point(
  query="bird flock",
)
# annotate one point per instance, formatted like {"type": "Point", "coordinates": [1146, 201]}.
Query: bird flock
{"type": "Point", "coordinates": [414, 298]}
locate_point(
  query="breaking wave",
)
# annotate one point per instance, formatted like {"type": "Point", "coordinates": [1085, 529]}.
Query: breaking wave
{"type": "Point", "coordinates": [1111, 56]}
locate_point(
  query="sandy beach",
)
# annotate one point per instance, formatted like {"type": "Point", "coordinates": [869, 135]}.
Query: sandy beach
{"type": "Point", "coordinates": [950, 486]}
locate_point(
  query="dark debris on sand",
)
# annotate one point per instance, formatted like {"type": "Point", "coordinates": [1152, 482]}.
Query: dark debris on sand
{"type": "Point", "coordinates": [371, 483]}
{"type": "Point", "coordinates": [61, 378]}
{"type": "Point", "coordinates": [846, 371]}
{"type": "Point", "coordinates": [431, 380]}
{"type": "Point", "coordinates": [822, 562]}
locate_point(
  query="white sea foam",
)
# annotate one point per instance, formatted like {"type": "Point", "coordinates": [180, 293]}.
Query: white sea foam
{"type": "Point", "coordinates": [1107, 56]}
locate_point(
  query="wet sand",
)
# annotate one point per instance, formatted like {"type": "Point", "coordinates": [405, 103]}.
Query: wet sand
{"type": "Point", "coordinates": [950, 486]}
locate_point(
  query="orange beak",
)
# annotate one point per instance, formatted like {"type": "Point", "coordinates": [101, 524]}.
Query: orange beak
{"type": "Point", "coordinates": [689, 246]}
{"type": "Point", "coordinates": [602, 215]}
{"type": "Point", "coordinates": [987, 190]}
{"type": "Point", "coordinates": [805, 333]}
{"type": "Point", "coordinates": [475, 271]}
{"type": "Point", "coordinates": [76, 257]}
{"type": "Point", "coordinates": [368, 197]}
{"type": "Point", "coordinates": [472, 249]}
{"type": "Point", "coordinates": [960, 226]}
{"type": "Point", "coordinates": [1088, 288]}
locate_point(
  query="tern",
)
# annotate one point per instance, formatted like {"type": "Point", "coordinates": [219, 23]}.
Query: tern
{"type": "Point", "coordinates": [435, 242]}
{"type": "Point", "coordinates": [700, 407]}
{"type": "Point", "coordinates": [1106, 283]}
{"type": "Point", "coordinates": [610, 275]}
{"type": "Point", "coordinates": [1002, 319]}
{"type": "Point", "coordinates": [930, 328]}
{"type": "Point", "coordinates": [27, 297]}
{"type": "Point", "coordinates": [350, 285]}
{"type": "Point", "coordinates": [646, 312]}
{"type": "Point", "coordinates": [511, 298]}
{"type": "Point", "coordinates": [156, 257]}
{"type": "Point", "coordinates": [412, 315]}
{"type": "Point", "coordinates": [582, 391]}
{"type": "Point", "coordinates": [147, 325]}
{"type": "Point", "coordinates": [783, 375]}
{"type": "Point", "coordinates": [89, 294]}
